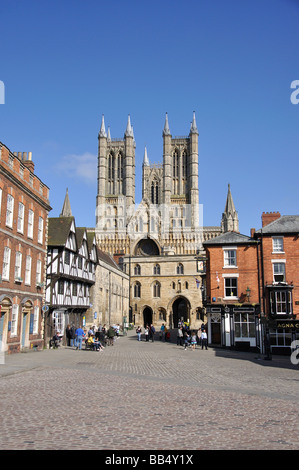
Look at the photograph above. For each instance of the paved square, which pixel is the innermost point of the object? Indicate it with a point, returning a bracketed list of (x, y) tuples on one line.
[(155, 396)]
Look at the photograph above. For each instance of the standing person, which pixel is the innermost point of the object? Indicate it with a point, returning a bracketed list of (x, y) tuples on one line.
[(152, 332), (162, 332), (179, 338), (73, 336), (110, 335), (138, 331), (146, 333), (79, 336), (193, 340), (204, 339), (199, 336), (68, 335)]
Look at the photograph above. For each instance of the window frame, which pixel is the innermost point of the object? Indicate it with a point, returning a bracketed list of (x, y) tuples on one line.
[(230, 287), (229, 260), (6, 263), (9, 210), (283, 274)]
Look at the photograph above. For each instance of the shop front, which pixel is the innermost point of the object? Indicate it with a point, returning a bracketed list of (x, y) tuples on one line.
[(234, 327)]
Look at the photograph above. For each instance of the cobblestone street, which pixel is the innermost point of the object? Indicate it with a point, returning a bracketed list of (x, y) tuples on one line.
[(156, 396)]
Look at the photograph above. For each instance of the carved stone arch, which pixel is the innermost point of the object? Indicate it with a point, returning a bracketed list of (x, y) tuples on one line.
[(147, 247)]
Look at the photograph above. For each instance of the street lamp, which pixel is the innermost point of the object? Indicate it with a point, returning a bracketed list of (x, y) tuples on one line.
[(248, 292)]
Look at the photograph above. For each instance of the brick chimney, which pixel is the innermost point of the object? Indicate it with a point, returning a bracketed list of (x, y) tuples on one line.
[(268, 217)]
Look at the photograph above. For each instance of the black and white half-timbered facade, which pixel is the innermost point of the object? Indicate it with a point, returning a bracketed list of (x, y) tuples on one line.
[(71, 265)]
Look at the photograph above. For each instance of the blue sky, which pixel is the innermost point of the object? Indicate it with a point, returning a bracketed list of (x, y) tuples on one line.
[(65, 63)]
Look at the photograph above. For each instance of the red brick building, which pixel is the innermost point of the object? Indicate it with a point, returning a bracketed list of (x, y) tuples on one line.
[(24, 207), (279, 278), (232, 293)]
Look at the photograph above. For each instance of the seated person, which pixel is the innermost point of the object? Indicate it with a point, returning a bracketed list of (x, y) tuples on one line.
[(96, 344), (55, 341)]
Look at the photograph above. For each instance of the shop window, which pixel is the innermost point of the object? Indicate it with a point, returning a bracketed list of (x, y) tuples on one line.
[(244, 325)]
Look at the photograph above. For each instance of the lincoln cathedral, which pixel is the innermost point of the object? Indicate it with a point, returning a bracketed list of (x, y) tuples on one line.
[(157, 243)]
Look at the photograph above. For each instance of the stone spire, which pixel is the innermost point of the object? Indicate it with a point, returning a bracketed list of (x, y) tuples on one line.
[(145, 158), (102, 132), (166, 130), (108, 135), (66, 208), (230, 220), (129, 130), (193, 129)]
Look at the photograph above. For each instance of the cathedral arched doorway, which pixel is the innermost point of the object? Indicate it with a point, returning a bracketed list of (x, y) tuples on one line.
[(147, 316), (180, 311)]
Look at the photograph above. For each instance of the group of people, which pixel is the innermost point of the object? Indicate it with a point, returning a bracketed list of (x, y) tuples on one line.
[(149, 333), (185, 337), (96, 338)]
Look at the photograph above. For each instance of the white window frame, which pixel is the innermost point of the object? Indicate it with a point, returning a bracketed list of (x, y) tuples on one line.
[(38, 271), (21, 212), (35, 320), (18, 265), (230, 257), (246, 325), (40, 230), (277, 245), (281, 263), (6, 263), (30, 223), (9, 210), (235, 276), (28, 270), (14, 320)]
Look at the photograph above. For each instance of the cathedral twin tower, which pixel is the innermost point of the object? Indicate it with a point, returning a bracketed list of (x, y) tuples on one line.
[(171, 188), (174, 184)]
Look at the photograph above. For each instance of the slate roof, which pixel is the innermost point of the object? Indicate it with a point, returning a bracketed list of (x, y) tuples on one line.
[(285, 224), (229, 238), (58, 230), (106, 258)]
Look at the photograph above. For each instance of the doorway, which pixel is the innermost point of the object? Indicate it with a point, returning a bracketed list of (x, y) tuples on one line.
[(180, 310), (147, 316)]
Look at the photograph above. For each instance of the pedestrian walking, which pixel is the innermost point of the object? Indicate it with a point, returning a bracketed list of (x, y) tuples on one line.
[(138, 331), (79, 337), (204, 339), (186, 339), (193, 340)]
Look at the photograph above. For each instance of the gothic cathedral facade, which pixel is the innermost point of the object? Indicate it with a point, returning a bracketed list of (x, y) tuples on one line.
[(158, 242)]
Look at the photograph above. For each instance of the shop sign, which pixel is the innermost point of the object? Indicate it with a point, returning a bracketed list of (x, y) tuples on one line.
[(293, 325)]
